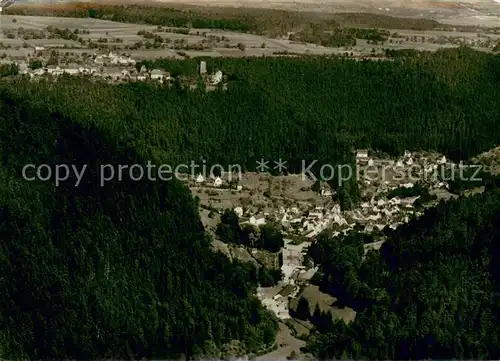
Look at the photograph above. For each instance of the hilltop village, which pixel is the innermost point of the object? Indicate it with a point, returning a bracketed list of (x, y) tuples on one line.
[(111, 67)]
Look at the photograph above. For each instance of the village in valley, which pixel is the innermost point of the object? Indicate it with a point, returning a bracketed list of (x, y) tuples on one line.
[(302, 208)]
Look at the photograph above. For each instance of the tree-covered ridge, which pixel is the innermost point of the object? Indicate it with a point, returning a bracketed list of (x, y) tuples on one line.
[(433, 292), (299, 109), (428, 101), (339, 36), (263, 21), (120, 271)]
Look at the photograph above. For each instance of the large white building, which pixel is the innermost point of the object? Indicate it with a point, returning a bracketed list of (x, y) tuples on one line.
[(217, 77), (257, 221)]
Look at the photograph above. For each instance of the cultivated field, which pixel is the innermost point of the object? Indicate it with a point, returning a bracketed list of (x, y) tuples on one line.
[(123, 37)]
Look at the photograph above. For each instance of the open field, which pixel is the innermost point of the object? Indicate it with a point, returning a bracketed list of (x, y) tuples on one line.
[(325, 302), (128, 34), (124, 38), (283, 191)]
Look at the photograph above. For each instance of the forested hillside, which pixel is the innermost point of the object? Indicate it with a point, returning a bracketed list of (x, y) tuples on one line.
[(121, 271), (433, 293), (320, 108), (126, 271), (299, 109)]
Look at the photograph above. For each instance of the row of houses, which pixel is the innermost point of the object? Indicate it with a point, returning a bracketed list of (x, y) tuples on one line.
[(294, 221), (113, 59), (214, 181), (102, 59), (112, 73), (362, 157), (112, 67)]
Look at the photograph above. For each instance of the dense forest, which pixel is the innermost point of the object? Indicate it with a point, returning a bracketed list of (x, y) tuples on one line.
[(299, 109), (320, 108), (119, 271), (125, 270), (337, 37), (431, 293)]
